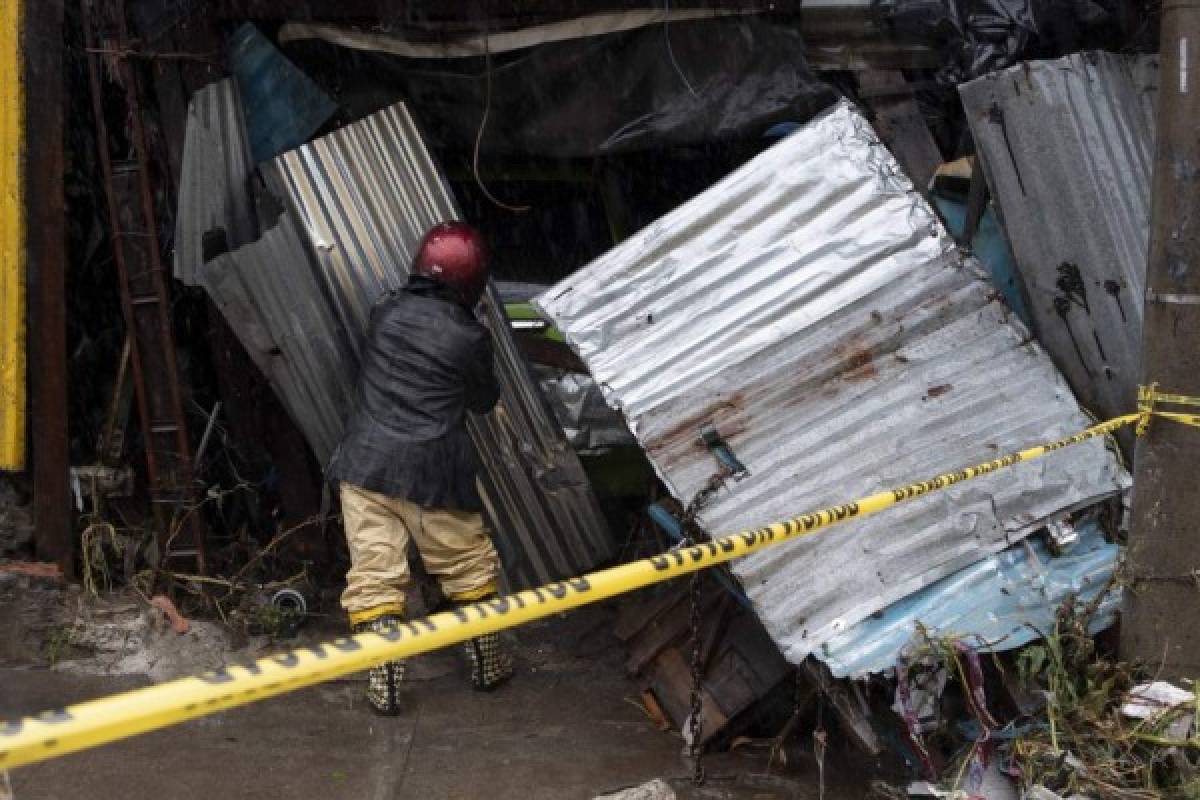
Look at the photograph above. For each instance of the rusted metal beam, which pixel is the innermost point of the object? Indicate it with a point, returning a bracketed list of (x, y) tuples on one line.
[(45, 251)]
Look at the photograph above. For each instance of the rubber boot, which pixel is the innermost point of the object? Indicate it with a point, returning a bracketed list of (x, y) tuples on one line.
[(491, 663), (383, 681)]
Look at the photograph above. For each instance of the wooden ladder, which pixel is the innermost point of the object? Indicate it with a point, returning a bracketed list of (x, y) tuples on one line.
[(144, 287)]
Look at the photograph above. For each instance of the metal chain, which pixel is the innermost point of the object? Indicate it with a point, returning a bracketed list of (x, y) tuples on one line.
[(693, 534), (695, 726)]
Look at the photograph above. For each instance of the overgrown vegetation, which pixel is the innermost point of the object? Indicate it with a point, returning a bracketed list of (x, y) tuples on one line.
[(1082, 743), (1075, 740)]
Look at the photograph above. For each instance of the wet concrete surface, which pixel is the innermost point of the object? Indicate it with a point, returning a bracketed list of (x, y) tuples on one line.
[(569, 726)]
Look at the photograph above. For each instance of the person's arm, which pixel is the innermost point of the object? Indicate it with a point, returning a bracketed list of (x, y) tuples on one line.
[(483, 390)]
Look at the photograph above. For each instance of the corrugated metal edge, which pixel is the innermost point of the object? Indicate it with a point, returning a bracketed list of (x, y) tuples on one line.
[(261, 289)]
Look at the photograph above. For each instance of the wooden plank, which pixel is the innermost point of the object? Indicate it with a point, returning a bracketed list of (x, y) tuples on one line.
[(658, 635), (667, 629), (977, 199), (732, 684), (900, 125), (671, 680), (854, 720), (715, 625), (643, 609), (45, 251)]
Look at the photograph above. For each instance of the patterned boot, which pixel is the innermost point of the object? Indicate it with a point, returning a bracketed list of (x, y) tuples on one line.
[(383, 682), (491, 663)]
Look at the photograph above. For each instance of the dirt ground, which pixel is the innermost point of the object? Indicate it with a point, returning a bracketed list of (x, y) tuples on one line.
[(568, 726)]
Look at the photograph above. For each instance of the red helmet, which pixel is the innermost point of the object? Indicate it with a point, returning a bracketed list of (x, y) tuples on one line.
[(454, 255)]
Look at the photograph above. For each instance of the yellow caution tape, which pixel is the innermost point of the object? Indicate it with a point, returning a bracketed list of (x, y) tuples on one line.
[(1148, 399), (55, 733)]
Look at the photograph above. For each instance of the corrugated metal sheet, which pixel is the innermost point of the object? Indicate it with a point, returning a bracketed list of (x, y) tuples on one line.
[(357, 204), (812, 308), (274, 301), (1067, 147), (999, 603), (214, 192)]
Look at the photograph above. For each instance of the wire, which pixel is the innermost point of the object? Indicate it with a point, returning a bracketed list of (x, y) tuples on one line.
[(487, 110), (670, 51)]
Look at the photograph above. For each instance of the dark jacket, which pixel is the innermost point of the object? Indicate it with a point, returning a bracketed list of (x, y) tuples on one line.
[(426, 362)]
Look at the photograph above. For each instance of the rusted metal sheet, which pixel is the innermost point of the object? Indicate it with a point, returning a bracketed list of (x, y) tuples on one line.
[(811, 308)]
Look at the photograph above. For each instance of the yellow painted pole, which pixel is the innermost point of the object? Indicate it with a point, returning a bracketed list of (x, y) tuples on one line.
[(12, 242)]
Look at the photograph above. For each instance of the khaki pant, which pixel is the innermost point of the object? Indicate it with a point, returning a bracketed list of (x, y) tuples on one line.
[(454, 547)]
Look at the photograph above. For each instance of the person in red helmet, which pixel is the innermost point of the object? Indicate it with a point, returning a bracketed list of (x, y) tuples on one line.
[(406, 466)]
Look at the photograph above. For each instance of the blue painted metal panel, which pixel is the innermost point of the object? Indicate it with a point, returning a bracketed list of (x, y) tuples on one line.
[(999, 603), (284, 107), (991, 248)]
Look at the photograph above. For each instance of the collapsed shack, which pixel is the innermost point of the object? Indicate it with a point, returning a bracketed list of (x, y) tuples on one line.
[(841, 336), (727, 253)]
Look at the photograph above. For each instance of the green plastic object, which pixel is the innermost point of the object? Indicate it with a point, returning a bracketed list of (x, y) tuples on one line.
[(524, 318)]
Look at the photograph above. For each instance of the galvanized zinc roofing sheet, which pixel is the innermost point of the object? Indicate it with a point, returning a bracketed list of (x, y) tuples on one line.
[(1067, 146), (812, 308), (214, 192), (273, 300)]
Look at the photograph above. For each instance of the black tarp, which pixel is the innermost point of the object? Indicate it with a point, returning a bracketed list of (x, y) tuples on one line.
[(690, 83), (980, 36)]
